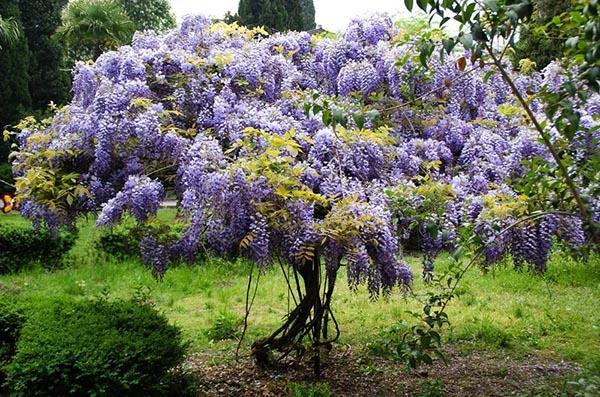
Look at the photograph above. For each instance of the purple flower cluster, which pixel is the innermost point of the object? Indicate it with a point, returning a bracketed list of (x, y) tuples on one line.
[(169, 112), (140, 195)]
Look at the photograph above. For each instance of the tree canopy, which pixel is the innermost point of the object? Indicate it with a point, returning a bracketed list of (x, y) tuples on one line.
[(50, 77), (14, 64), (95, 25), (541, 49), (308, 14), (149, 14), (276, 15)]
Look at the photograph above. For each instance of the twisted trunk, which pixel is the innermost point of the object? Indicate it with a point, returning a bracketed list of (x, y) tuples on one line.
[(309, 319)]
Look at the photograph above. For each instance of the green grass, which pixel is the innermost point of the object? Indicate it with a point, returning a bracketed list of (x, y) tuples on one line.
[(556, 314)]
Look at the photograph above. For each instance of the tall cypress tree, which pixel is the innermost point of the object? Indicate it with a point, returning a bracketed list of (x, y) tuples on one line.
[(308, 14), (294, 13), (50, 81), (15, 100), (275, 15)]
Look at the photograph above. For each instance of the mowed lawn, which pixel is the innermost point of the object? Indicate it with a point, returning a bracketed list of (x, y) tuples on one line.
[(555, 315)]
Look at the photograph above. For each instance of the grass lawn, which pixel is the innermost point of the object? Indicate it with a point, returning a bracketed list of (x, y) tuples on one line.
[(555, 315)]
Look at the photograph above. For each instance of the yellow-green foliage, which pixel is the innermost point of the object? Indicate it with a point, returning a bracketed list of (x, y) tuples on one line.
[(48, 179)]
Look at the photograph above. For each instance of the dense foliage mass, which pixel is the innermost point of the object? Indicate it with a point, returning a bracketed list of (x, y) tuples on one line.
[(96, 348), (226, 119), (308, 14), (11, 322), (542, 49), (49, 76), (150, 14), (14, 63), (274, 15), (21, 246)]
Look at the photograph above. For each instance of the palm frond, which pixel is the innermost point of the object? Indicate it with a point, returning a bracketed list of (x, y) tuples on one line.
[(9, 31), (95, 24)]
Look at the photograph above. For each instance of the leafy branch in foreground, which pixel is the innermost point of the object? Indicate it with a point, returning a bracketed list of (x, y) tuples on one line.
[(422, 341), (487, 31)]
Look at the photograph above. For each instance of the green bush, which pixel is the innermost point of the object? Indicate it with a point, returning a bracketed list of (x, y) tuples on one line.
[(11, 322), (121, 241), (22, 245), (226, 326), (97, 348)]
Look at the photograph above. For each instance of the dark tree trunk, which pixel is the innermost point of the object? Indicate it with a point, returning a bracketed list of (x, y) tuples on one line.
[(309, 319)]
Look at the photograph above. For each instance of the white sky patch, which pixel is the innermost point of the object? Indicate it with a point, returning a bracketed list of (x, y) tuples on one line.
[(332, 15)]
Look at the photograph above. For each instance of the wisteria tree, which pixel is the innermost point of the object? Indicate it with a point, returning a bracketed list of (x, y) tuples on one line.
[(304, 153)]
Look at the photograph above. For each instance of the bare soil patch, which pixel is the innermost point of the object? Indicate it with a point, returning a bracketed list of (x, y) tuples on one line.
[(350, 374)]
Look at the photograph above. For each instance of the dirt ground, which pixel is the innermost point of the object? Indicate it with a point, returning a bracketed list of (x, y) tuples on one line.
[(350, 374)]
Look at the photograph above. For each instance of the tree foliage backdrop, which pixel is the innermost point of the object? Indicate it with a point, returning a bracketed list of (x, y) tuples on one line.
[(49, 76), (14, 64), (150, 14), (539, 48), (276, 15)]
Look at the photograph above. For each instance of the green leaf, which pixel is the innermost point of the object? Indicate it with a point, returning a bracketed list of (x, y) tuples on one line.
[(373, 115), (469, 12), (467, 40), (491, 4), (487, 75), (326, 117), (448, 45), (307, 107), (477, 33), (572, 42), (359, 119), (408, 4)]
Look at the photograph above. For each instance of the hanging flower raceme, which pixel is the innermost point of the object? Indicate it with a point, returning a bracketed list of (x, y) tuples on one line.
[(261, 139)]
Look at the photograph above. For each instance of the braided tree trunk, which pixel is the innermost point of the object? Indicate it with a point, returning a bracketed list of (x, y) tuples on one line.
[(309, 319)]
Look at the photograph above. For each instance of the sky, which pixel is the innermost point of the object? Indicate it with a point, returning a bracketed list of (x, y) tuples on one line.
[(332, 15)]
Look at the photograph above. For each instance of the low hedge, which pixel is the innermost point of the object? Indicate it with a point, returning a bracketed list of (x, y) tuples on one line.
[(97, 348), (22, 245), (12, 319), (123, 240)]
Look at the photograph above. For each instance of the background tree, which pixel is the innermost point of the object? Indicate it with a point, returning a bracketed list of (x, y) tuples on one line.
[(50, 78), (150, 14), (14, 64), (95, 25), (276, 15), (15, 100), (542, 49), (308, 14)]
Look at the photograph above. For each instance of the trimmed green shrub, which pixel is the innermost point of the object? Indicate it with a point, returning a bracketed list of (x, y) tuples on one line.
[(121, 241), (21, 246), (11, 322), (97, 348)]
